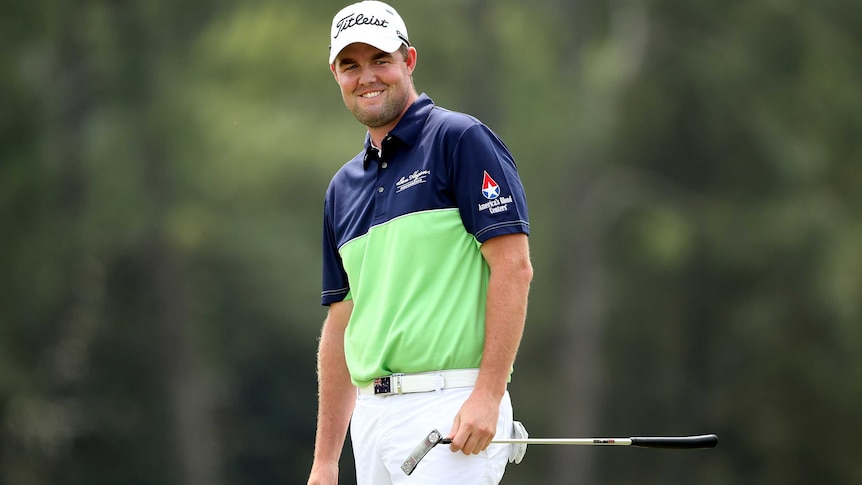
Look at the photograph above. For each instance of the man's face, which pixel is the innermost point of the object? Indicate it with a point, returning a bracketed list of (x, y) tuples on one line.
[(375, 85)]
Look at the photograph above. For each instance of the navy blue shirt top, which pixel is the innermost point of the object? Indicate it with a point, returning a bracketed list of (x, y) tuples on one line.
[(434, 159)]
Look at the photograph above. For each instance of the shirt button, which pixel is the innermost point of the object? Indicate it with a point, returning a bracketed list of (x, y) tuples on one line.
[(380, 189), (384, 165)]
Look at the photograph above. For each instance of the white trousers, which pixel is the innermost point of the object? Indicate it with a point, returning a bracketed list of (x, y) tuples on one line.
[(384, 430)]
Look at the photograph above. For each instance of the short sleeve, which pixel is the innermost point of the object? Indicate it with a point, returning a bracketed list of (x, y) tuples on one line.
[(488, 189), (335, 284)]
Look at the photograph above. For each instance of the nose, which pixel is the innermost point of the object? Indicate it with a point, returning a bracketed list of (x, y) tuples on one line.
[(367, 75)]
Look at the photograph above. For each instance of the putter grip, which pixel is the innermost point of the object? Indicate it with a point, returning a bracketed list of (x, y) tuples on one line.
[(678, 443)]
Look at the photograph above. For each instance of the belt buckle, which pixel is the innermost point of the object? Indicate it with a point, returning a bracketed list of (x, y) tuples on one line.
[(388, 385)]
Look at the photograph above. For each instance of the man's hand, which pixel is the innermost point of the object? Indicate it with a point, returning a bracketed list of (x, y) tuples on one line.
[(475, 424)]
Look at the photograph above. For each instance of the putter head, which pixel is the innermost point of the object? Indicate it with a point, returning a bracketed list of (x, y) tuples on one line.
[(420, 451)]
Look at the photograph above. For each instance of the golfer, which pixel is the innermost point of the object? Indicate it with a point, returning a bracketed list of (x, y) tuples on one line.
[(426, 272)]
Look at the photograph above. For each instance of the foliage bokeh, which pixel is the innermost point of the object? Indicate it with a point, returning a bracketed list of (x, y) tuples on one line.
[(693, 175)]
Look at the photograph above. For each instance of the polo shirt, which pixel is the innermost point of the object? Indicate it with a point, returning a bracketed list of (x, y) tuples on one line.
[(402, 233)]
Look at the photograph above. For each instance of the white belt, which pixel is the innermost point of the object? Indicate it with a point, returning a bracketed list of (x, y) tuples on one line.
[(423, 382)]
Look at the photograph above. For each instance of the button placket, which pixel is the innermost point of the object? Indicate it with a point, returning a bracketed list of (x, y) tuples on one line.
[(382, 182)]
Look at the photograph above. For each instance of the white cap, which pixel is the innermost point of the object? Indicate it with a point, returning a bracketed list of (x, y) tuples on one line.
[(370, 22)]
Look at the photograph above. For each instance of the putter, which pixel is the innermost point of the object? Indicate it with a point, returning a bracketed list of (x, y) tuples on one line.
[(521, 440)]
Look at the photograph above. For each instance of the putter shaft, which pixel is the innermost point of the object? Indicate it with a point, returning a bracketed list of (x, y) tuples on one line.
[(667, 442)]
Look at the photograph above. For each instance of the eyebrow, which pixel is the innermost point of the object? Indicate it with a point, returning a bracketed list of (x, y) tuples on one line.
[(379, 55)]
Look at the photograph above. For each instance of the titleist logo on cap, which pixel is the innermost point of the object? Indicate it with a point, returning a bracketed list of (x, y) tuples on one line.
[(353, 20)]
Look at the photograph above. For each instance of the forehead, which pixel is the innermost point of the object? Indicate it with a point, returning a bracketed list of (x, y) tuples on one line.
[(359, 51)]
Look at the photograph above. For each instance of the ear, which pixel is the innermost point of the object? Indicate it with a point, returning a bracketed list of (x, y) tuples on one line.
[(332, 68), (412, 56)]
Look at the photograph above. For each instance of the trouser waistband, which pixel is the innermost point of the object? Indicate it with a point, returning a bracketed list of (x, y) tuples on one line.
[(422, 382)]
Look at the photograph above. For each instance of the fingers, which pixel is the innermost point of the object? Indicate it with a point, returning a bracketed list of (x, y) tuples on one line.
[(473, 444), (470, 439), (475, 424)]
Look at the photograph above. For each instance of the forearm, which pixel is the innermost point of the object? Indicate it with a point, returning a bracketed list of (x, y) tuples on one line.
[(336, 393), (508, 259), (505, 315)]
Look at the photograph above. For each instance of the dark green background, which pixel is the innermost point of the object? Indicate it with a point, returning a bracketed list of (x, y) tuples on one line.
[(693, 170)]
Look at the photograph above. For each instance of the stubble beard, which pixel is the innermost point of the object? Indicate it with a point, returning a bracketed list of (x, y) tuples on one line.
[(392, 107)]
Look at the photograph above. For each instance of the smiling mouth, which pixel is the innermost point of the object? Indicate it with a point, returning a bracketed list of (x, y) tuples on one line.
[(372, 94)]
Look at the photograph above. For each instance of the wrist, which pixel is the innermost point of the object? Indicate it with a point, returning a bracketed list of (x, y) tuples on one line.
[(493, 388), (324, 462), (327, 470)]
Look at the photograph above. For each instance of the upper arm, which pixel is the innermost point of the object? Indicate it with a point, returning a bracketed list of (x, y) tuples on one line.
[(334, 280), (339, 315), (487, 187), (509, 253)]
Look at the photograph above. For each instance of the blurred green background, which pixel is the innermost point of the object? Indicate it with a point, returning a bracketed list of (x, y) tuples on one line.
[(693, 170)]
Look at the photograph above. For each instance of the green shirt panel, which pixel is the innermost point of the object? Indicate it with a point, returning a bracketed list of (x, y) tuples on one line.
[(418, 285)]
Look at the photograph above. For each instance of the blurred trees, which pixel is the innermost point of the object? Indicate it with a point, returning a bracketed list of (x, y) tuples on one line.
[(693, 173)]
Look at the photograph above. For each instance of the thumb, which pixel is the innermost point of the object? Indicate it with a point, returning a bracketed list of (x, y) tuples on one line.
[(456, 424)]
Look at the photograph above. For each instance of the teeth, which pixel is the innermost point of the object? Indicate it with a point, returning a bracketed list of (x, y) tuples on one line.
[(372, 94)]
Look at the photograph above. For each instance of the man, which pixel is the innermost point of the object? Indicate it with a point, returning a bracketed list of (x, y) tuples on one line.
[(426, 272)]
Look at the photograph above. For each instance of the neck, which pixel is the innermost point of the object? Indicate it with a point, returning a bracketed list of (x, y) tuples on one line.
[(379, 133)]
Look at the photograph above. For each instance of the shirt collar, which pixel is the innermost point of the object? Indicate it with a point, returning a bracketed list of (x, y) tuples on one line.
[(407, 130)]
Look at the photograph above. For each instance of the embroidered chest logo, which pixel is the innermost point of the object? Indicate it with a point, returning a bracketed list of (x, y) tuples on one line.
[(412, 180), (491, 191)]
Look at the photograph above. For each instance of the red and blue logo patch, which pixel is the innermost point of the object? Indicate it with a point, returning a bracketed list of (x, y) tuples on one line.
[(490, 189)]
